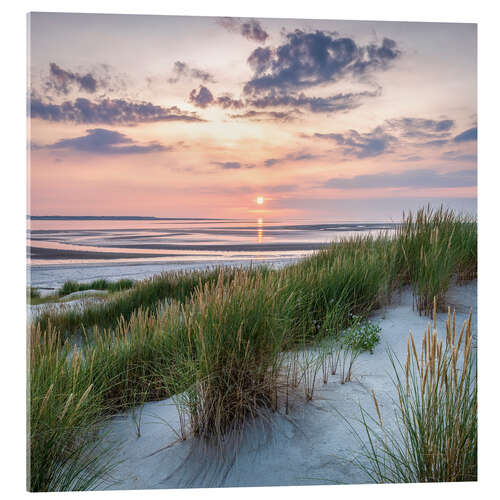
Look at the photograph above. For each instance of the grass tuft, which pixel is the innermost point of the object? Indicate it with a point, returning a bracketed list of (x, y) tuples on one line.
[(436, 437)]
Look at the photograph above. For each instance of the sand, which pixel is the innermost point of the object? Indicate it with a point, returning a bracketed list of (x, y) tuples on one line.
[(311, 445), (47, 278)]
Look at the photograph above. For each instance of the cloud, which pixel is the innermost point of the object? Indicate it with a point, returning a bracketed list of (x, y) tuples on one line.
[(422, 178), (62, 81), (291, 157), (101, 77), (227, 101), (458, 156), (260, 59), (411, 158), (436, 143), (311, 59), (397, 131), (421, 128), (365, 145), (183, 70), (202, 97), (106, 142), (336, 103), (232, 165), (467, 135), (107, 111), (257, 116), (251, 29)]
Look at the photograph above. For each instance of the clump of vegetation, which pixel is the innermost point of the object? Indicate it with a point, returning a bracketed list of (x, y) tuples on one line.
[(65, 405), (32, 293), (430, 247), (147, 294), (235, 339), (101, 284), (362, 335), (436, 437)]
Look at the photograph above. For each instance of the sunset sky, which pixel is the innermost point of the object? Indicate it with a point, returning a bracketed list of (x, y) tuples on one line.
[(198, 117)]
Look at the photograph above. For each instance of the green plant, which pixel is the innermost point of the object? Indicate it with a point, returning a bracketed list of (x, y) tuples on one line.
[(236, 335), (436, 436), (32, 293), (361, 335), (429, 247)]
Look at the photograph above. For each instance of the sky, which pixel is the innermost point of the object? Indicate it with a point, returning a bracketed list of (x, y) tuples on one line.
[(199, 116)]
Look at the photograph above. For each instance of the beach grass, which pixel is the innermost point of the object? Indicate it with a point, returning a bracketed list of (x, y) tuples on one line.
[(436, 436), (100, 284), (431, 247), (217, 338)]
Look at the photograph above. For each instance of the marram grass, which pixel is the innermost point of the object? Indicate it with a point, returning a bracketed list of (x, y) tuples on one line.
[(436, 435)]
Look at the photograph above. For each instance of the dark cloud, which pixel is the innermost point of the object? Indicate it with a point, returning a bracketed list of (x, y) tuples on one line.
[(231, 165), (250, 29), (202, 97), (311, 59), (227, 101), (106, 142), (421, 128), (62, 81), (183, 70), (253, 31), (467, 135), (292, 157), (260, 59), (279, 116), (336, 103), (424, 178), (385, 137), (107, 111), (365, 145)]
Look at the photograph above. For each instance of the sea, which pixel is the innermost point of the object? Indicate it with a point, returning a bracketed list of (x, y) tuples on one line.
[(87, 248)]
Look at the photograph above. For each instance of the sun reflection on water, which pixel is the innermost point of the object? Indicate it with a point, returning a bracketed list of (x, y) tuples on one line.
[(260, 232)]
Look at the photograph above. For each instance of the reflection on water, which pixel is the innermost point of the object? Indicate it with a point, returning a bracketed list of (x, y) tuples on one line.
[(260, 231)]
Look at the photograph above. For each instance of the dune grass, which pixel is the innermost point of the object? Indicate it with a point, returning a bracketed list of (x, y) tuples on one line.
[(431, 247), (215, 338), (100, 284), (65, 406), (145, 294), (436, 436), (32, 293)]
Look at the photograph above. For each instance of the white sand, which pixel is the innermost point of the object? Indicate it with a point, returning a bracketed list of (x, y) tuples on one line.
[(312, 445)]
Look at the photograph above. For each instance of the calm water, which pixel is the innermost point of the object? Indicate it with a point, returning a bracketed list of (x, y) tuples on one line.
[(85, 249), (84, 241)]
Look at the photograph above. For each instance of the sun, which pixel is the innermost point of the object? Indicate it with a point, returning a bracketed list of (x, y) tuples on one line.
[(260, 200)]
